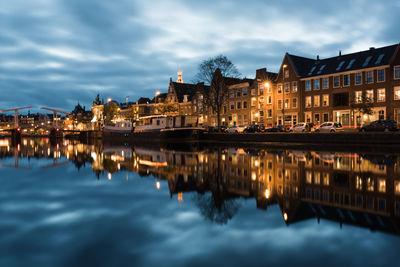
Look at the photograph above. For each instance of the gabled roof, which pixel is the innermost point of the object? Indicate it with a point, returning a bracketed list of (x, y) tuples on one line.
[(182, 89), (160, 98), (374, 57)]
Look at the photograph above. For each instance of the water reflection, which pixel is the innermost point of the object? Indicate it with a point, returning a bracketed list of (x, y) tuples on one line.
[(348, 188)]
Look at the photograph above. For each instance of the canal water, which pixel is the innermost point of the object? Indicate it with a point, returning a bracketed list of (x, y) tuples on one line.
[(74, 204)]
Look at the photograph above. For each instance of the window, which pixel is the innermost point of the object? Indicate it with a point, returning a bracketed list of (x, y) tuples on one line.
[(232, 106), (244, 104), (358, 97), (269, 88), (382, 185), (369, 78), (261, 112), (325, 83), (316, 118), (369, 95), (224, 109), (378, 61), (397, 93), (316, 84), (321, 69), (279, 88), (325, 100), (244, 91), (308, 85), (287, 87), (326, 117), (358, 78), (260, 91), (381, 115), (287, 105), (317, 101), (350, 64), (286, 73), (294, 102), (381, 95), (336, 81), (308, 101), (269, 113), (381, 75), (253, 101), (279, 103), (232, 94), (238, 92), (396, 72), (367, 60), (339, 66), (346, 80), (269, 100), (294, 87)]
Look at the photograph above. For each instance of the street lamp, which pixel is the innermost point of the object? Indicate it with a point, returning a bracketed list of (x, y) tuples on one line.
[(283, 94)]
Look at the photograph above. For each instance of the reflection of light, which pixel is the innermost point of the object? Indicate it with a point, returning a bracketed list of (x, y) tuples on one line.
[(285, 216), (158, 185), (109, 175), (180, 196), (4, 143), (267, 193), (151, 163), (253, 176), (119, 166), (256, 163), (223, 157)]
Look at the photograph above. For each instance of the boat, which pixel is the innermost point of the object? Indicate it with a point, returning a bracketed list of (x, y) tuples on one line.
[(122, 127), (167, 127)]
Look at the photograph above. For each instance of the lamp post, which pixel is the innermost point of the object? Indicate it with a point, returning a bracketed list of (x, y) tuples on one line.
[(283, 94)]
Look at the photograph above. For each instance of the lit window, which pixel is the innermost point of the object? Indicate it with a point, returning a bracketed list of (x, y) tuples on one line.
[(325, 100), (308, 85), (397, 93), (358, 97), (346, 80), (325, 83), (369, 95), (381, 75), (382, 185), (397, 187), (317, 177), (370, 184), (269, 100), (325, 178), (308, 177), (358, 78), (316, 84), (381, 95), (359, 183), (287, 105), (369, 76), (308, 102), (316, 101), (336, 81)]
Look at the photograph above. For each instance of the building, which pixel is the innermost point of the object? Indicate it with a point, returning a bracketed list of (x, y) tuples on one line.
[(335, 89)]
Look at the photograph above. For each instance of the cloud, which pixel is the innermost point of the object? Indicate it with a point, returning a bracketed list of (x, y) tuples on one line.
[(123, 47)]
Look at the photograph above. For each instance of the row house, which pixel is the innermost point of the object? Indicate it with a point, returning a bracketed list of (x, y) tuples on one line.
[(335, 89)]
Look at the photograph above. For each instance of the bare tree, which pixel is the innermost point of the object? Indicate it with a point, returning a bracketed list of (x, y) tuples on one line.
[(207, 68)]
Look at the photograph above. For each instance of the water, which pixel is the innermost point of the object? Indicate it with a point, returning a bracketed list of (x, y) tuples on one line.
[(71, 204)]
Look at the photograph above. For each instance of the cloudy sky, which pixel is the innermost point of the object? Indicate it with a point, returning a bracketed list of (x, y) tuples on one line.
[(57, 52)]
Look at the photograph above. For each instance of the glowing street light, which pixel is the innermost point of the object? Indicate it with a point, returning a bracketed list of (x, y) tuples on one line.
[(157, 93), (109, 100)]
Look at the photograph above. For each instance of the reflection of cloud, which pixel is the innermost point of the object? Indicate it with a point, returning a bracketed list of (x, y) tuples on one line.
[(135, 46)]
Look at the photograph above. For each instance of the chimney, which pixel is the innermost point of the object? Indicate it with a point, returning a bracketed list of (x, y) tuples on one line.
[(317, 57), (340, 53)]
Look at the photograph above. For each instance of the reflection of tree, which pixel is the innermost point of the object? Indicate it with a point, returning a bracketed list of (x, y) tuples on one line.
[(217, 207)]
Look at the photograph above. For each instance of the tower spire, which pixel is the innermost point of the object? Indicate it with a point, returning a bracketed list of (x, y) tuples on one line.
[(179, 75)]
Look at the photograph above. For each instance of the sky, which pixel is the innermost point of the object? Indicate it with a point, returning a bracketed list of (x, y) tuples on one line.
[(56, 53)]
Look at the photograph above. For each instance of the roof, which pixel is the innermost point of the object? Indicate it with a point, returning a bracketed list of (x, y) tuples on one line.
[(182, 89), (374, 57), (159, 98), (143, 100), (232, 81)]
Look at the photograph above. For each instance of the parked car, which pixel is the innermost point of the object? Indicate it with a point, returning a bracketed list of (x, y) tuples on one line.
[(255, 128), (302, 127), (329, 127), (277, 128), (235, 129), (380, 126)]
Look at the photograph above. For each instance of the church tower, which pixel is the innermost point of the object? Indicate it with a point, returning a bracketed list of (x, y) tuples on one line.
[(179, 76)]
